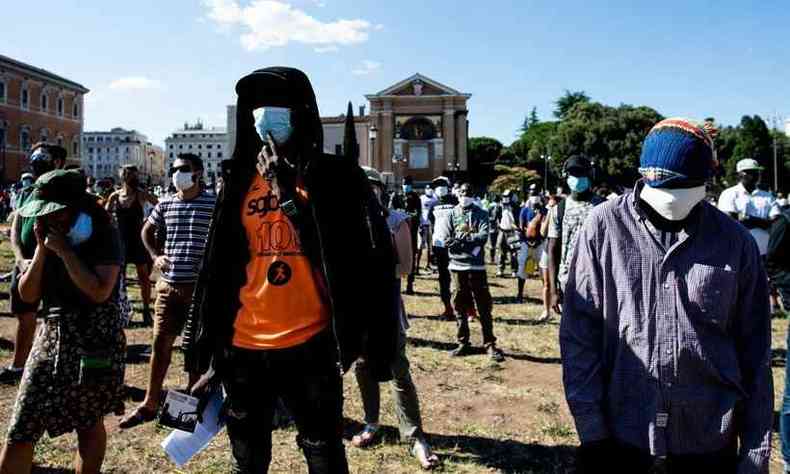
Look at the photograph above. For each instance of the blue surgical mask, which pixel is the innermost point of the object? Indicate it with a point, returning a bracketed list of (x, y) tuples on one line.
[(578, 184), (81, 230), (407, 188), (274, 120)]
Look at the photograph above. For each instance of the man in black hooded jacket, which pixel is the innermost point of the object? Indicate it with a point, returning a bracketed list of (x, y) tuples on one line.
[(282, 306)]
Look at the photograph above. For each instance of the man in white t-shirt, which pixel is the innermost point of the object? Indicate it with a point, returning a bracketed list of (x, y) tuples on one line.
[(427, 201), (750, 205)]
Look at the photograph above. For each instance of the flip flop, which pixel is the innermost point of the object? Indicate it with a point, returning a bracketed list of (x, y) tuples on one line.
[(427, 458), (366, 437), (139, 416)]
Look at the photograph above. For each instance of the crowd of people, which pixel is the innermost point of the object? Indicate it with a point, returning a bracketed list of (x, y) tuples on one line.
[(665, 299)]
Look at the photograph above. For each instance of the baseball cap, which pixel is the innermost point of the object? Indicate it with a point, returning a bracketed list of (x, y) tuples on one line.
[(748, 165), (577, 164)]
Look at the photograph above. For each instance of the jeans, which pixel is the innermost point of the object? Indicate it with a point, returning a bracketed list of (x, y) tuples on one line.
[(505, 252), (473, 286), (610, 456), (442, 264), (307, 379), (407, 404)]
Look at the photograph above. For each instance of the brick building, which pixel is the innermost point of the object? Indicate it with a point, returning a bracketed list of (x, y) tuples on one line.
[(36, 105)]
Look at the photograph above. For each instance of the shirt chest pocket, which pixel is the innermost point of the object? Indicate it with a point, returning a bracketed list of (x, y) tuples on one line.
[(710, 295)]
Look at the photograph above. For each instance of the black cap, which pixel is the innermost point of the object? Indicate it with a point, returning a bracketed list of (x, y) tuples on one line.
[(578, 164)]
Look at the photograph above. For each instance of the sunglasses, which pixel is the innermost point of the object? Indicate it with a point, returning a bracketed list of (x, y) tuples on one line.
[(183, 168)]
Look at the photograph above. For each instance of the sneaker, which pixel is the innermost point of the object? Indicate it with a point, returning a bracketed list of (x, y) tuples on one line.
[(461, 350), (495, 354), (10, 376), (514, 275), (500, 274), (544, 316)]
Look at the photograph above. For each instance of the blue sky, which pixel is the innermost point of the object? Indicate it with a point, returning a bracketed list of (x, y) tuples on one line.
[(153, 64)]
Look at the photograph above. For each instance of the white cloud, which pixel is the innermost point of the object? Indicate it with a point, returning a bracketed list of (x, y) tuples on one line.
[(135, 83), (327, 49), (268, 24), (367, 68)]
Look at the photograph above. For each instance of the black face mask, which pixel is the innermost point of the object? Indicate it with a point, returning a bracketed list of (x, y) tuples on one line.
[(41, 166)]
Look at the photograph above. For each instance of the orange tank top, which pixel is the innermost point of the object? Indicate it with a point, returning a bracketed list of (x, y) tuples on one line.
[(284, 302)]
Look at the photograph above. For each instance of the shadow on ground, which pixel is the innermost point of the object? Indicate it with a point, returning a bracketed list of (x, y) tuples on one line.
[(778, 357), (505, 455)]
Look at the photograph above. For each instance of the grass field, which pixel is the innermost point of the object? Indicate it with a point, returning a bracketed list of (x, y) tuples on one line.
[(481, 417)]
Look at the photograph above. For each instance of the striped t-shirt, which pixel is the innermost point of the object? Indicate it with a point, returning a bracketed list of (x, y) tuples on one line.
[(184, 225)]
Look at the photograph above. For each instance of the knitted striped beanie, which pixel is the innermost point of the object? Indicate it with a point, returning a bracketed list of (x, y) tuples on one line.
[(677, 153)]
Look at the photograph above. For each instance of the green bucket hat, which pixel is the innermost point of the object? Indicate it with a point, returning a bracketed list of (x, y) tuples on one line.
[(54, 191)]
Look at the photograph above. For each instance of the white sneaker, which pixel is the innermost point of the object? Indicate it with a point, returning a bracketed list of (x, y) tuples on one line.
[(544, 316)]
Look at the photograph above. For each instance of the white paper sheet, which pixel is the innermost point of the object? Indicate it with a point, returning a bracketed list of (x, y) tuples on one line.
[(182, 446)]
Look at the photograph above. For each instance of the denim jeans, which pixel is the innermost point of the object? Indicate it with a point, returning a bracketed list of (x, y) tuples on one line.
[(407, 404), (307, 379)]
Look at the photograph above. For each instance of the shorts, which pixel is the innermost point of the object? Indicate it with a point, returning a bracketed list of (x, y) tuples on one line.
[(171, 308), (527, 253), (17, 305), (544, 259)]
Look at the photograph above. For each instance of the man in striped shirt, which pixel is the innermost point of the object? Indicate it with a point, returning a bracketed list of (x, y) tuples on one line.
[(183, 220)]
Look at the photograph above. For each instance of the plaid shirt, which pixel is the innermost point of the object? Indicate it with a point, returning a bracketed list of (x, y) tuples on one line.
[(669, 350)]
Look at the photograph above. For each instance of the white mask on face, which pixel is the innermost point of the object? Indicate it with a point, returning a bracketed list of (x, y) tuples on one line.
[(672, 204), (467, 201), (441, 191), (183, 180)]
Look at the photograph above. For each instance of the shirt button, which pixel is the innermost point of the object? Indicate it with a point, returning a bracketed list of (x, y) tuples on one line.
[(669, 351), (666, 286)]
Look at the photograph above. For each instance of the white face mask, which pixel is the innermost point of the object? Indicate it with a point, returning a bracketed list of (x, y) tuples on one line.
[(672, 204), (183, 180), (441, 191), (467, 201), (429, 192)]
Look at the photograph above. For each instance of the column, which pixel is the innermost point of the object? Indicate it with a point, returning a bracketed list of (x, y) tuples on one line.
[(449, 138), (461, 131)]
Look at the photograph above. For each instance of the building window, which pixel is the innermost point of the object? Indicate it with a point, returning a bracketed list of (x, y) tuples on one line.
[(2, 91), (171, 154), (24, 140), (2, 138), (90, 149), (75, 111), (209, 154), (25, 98), (219, 154), (180, 147), (171, 146), (60, 141), (200, 147), (60, 106), (209, 146), (75, 148), (44, 102), (190, 146), (338, 150)]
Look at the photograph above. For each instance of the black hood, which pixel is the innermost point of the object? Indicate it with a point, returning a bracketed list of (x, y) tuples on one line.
[(277, 87)]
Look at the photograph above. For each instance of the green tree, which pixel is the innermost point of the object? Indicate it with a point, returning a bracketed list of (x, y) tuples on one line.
[(483, 154), (533, 117), (350, 145), (611, 137), (524, 126), (566, 103), (513, 177)]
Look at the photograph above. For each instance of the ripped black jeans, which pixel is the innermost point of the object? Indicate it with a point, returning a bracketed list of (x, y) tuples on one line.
[(307, 379)]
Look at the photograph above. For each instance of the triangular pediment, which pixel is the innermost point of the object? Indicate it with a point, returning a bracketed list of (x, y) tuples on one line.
[(419, 85)]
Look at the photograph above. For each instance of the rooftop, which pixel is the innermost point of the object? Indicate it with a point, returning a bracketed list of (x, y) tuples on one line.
[(43, 73)]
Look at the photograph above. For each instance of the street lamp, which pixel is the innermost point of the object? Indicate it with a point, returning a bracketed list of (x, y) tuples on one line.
[(374, 132), (546, 159)]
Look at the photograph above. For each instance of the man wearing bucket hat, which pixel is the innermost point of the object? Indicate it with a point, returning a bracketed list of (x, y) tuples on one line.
[(755, 208), (665, 334), (74, 376), (43, 158)]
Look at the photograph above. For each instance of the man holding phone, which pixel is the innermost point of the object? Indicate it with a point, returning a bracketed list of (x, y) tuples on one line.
[(282, 305), (184, 222)]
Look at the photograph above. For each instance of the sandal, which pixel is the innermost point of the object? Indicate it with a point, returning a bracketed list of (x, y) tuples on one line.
[(139, 416), (427, 459), (366, 437)]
